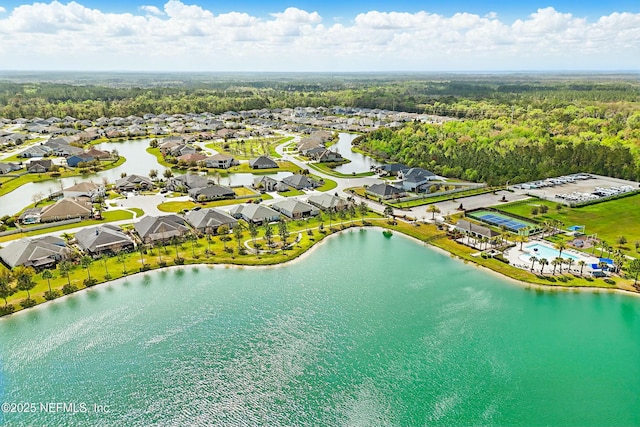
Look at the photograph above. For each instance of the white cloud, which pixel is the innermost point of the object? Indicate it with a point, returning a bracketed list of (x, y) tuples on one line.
[(152, 10), (190, 37), (2, 9)]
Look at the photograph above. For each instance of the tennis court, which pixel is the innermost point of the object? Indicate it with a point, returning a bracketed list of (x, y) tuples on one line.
[(498, 219)]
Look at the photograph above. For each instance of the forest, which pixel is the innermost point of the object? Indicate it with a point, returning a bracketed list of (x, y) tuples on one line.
[(511, 127)]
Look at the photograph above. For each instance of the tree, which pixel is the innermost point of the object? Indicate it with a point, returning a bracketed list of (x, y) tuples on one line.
[(283, 231), (560, 246), (342, 214), (331, 212), (141, 249), (433, 209), (533, 262), (534, 211), (121, 257), (557, 261), (634, 268), (48, 275), (388, 211), (569, 262), (543, 262), (86, 262), (223, 230), (174, 242), (268, 234), (65, 268), (37, 197), (6, 290), (363, 208), (24, 279), (352, 211), (153, 174), (543, 209), (253, 232), (237, 232), (192, 236), (104, 259), (582, 264), (621, 240), (167, 173)]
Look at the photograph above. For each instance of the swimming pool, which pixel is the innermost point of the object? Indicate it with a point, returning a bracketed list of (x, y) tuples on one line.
[(543, 251)]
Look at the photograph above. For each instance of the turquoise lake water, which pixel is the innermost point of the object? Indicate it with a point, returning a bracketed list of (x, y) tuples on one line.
[(362, 331)]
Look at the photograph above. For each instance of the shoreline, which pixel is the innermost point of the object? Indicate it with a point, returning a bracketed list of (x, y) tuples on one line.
[(519, 283)]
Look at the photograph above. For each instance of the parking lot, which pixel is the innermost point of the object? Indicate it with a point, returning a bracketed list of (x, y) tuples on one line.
[(579, 190)]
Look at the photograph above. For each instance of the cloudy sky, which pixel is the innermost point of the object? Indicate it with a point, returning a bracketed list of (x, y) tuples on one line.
[(303, 35)]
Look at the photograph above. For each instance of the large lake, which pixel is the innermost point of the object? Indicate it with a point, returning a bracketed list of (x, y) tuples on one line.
[(361, 331)]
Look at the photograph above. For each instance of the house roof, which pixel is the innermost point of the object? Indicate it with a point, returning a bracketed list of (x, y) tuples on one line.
[(298, 181), (66, 207), (293, 205), (254, 212), (209, 218), (220, 157), (393, 167), (164, 226), (192, 157), (33, 251), (83, 187), (416, 174), (212, 191), (133, 180), (326, 201), (384, 189), (466, 226), (93, 239), (191, 180), (263, 161)]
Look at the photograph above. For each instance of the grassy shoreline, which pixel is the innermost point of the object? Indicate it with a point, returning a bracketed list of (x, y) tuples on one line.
[(111, 268)]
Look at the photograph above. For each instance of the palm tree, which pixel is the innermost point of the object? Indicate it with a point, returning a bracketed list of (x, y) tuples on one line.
[(24, 279), (167, 173), (153, 174), (388, 211), (331, 211), (65, 268), (603, 246), (433, 209), (122, 259), (352, 212), (560, 246), (557, 261), (237, 232), (223, 230), (533, 262), (582, 264), (141, 248), (253, 232), (104, 259), (174, 242), (268, 234), (86, 262), (6, 290), (634, 267), (47, 274), (543, 262), (283, 231), (363, 208), (191, 236), (342, 214), (569, 262)]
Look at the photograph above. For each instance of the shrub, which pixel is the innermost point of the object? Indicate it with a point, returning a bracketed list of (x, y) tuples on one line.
[(179, 261), (51, 295), (89, 282), (610, 281), (145, 267), (27, 302), (162, 264), (68, 289), (8, 309)]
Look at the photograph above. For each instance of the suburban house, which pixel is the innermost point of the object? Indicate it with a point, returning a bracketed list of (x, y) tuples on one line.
[(219, 161), (39, 166), (325, 201), (258, 214), (211, 192), (475, 230), (208, 220), (6, 168), (184, 183), (66, 208), (192, 157), (103, 239), (262, 162), (98, 154), (36, 151), (391, 169), (134, 182), (73, 161), (300, 182), (39, 253), (295, 209), (266, 183), (385, 191), (415, 178), (90, 190), (160, 228), (328, 156)]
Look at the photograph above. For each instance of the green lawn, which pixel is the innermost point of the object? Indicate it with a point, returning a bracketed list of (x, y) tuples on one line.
[(272, 148), (291, 193), (329, 184), (178, 206), (245, 149), (610, 219), (244, 191), (321, 167)]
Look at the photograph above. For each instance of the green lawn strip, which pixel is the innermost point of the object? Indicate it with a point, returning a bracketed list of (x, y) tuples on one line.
[(178, 206), (156, 152), (139, 212), (328, 183), (428, 198), (9, 186), (610, 219), (291, 193), (321, 167)]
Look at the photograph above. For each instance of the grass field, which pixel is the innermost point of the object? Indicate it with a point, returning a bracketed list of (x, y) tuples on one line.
[(610, 219), (245, 149), (291, 193)]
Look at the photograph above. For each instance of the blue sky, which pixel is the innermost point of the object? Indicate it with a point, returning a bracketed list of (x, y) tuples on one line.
[(242, 35)]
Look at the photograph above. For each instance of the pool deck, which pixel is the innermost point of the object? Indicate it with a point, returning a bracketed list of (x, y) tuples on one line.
[(513, 255)]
